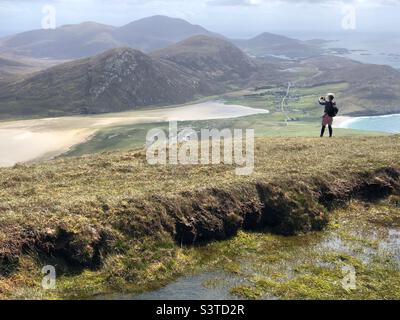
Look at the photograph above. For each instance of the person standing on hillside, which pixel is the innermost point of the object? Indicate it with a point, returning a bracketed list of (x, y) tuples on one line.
[(329, 113)]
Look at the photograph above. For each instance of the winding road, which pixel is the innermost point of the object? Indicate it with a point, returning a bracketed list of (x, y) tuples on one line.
[(284, 102)]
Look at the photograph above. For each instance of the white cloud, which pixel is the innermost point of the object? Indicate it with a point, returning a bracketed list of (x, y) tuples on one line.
[(314, 2)]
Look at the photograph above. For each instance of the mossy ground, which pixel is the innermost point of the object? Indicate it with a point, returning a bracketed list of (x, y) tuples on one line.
[(272, 267), (109, 199), (363, 236)]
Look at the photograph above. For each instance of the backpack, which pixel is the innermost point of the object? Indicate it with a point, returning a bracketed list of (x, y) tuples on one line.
[(333, 110)]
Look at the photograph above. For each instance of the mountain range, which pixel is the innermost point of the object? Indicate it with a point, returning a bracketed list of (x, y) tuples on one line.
[(124, 78), (147, 35), (178, 62), (90, 38)]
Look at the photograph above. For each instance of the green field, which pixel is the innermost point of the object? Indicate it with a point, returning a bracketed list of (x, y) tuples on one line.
[(134, 136)]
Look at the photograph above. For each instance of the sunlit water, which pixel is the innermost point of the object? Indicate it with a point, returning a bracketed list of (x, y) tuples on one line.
[(216, 285), (375, 48), (388, 124), (203, 286)]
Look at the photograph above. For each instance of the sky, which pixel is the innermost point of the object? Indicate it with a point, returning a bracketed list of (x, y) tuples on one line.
[(233, 18)]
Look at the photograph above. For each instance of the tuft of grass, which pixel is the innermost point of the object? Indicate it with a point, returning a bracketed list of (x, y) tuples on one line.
[(312, 264)]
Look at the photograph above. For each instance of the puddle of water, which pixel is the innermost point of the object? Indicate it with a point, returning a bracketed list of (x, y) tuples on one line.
[(203, 286), (217, 285), (391, 245), (371, 245)]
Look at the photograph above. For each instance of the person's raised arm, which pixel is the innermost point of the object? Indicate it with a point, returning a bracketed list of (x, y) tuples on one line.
[(322, 101)]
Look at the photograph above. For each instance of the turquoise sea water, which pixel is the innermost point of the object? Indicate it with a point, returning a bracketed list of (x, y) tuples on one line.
[(389, 123)]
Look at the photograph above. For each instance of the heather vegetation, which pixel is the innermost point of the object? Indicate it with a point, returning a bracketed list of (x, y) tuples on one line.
[(110, 222)]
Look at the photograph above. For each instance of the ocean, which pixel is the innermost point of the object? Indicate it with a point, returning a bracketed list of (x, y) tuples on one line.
[(376, 48), (388, 123)]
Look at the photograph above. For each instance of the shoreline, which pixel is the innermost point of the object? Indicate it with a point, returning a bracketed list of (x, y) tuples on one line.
[(342, 122), (28, 141), (345, 122)]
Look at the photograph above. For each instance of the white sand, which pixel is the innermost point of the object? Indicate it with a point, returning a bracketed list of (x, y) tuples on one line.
[(43, 139), (19, 145), (342, 122)]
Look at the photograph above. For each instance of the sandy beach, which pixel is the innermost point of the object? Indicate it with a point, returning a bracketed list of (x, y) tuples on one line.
[(386, 123), (43, 139), (342, 121)]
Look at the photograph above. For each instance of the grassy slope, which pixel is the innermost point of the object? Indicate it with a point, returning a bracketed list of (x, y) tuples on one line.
[(301, 106), (106, 210), (133, 136)]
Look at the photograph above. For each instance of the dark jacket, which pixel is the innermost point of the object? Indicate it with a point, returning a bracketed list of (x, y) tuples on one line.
[(328, 107)]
